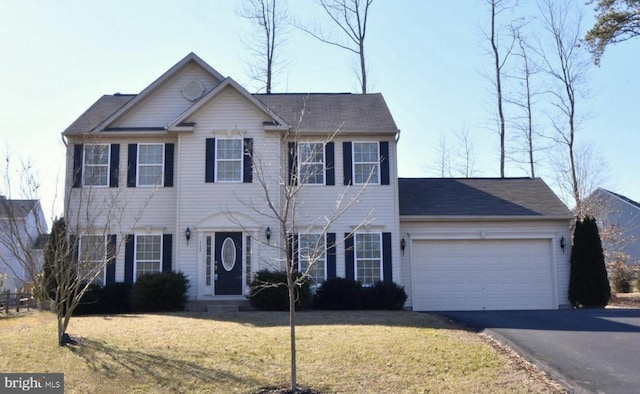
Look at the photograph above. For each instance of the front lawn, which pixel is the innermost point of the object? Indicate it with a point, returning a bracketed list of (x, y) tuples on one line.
[(346, 352)]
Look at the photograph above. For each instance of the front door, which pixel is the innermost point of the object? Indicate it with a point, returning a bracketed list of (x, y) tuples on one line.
[(228, 263)]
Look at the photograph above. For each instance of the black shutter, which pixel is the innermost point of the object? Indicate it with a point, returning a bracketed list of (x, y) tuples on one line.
[(210, 160), (349, 256), (168, 164), (292, 165), (331, 255), (115, 165), (132, 165), (347, 160), (129, 250), (111, 258), (167, 247), (387, 266), (330, 169), (247, 175), (384, 162), (78, 150)]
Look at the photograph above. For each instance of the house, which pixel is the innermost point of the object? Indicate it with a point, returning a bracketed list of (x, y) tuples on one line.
[(190, 160), (618, 219), (23, 229)]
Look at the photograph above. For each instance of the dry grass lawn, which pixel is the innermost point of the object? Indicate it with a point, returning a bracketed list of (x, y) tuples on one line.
[(338, 352)]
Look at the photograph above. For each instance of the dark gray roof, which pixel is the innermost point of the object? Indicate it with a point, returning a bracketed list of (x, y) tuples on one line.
[(623, 198), (98, 112), (16, 208), (479, 197), (330, 111), (322, 111)]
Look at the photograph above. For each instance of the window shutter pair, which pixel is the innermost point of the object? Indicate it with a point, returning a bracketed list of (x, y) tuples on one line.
[(329, 154), (132, 164), (78, 161), (210, 160), (129, 255), (350, 257), (347, 157)]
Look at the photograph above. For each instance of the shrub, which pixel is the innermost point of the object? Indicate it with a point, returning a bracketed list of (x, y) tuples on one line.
[(268, 291), (160, 292), (621, 277), (88, 304), (116, 298), (384, 295), (339, 294)]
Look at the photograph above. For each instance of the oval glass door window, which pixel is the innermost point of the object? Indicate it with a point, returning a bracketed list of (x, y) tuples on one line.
[(228, 254)]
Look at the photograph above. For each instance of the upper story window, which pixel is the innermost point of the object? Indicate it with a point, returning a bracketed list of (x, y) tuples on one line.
[(96, 165), (311, 163), (150, 164), (229, 157), (368, 258), (312, 256), (366, 163), (148, 254)]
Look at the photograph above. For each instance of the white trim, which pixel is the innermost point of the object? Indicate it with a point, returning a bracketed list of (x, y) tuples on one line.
[(324, 163), (135, 252), (355, 256), (162, 164), (216, 160), (84, 165), (371, 181)]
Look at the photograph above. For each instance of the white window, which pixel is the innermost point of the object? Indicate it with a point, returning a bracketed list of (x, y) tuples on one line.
[(311, 163), (148, 254), (229, 160), (312, 256), (150, 164), (92, 258), (368, 258), (366, 163), (96, 165)]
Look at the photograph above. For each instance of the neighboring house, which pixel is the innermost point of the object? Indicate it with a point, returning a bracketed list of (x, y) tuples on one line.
[(191, 150), (618, 219), (22, 231)]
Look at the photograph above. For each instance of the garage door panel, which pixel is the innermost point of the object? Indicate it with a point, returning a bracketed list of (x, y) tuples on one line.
[(482, 274)]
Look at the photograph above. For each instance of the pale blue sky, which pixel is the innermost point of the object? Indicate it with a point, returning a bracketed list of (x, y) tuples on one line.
[(426, 58)]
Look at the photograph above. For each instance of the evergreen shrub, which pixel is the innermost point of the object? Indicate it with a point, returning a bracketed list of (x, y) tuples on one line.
[(268, 291), (160, 292)]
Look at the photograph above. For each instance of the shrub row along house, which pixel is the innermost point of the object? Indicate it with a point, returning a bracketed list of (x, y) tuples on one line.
[(186, 175)]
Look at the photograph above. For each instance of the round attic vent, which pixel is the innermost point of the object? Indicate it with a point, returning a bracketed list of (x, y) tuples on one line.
[(192, 90)]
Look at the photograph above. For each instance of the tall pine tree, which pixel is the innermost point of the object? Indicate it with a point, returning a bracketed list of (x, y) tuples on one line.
[(589, 285)]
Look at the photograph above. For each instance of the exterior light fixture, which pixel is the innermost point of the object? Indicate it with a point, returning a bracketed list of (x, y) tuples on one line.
[(268, 234), (403, 244), (562, 243), (187, 234)]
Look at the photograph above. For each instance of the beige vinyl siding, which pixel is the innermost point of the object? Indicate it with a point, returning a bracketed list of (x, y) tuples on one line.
[(167, 103)]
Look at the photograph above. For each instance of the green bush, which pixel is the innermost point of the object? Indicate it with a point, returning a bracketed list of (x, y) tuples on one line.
[(384, 295), (339, 294), (160, 292), (115, 298), (268, 291), (89, 303)]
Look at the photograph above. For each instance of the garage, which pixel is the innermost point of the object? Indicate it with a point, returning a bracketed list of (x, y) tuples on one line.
[(482, 274)]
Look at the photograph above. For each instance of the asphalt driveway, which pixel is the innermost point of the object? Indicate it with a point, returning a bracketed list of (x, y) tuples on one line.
[(589, 351)]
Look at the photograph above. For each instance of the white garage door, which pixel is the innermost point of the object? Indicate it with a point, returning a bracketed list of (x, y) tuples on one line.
[(484, 274)]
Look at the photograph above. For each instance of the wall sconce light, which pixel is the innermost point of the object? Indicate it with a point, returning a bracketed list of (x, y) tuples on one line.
[(562, 243), (187, 234), (268, 234), (403, 244)]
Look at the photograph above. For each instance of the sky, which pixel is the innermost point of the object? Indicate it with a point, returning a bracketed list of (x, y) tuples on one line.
[(427, 58)]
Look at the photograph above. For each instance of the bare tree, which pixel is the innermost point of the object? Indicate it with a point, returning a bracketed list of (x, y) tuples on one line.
[(523, 97), (351, 17), (269, 20), (499, 60), (281, 202), (459, 161), (566, 66)]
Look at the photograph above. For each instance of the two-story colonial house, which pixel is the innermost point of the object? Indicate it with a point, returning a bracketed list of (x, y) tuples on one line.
[(190, 175)]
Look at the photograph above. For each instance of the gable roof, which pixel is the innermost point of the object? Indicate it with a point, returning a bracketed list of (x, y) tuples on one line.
[(322, 111), (332, 111), (479, 197), (617, 196), (16, 208)]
